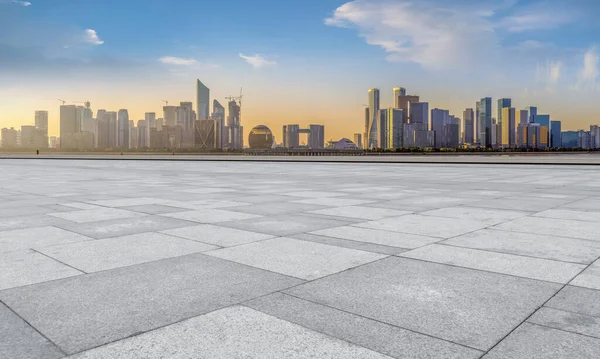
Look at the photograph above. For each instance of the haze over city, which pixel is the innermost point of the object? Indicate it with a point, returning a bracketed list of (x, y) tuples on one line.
[(298, 63)]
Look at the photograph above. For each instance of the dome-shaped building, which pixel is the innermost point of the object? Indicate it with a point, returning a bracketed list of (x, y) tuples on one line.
[(260, 137)]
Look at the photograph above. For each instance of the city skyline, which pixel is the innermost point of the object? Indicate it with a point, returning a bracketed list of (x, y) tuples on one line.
[(534, 54)]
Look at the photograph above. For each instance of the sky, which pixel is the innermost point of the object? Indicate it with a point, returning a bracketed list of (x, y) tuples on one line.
[(299, 61)]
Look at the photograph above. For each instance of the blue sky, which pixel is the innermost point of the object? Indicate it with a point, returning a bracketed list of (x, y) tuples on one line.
[(300, 61)]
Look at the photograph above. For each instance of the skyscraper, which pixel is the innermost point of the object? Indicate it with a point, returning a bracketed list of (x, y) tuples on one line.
[(150, 118), (69, 123), (485, 122), (41, 124), (234, 126), (404, 102), (373, 118), (521, 117), (202, 101), (382, 128), (123, 120), (358, 140), (502, 103), (170, 115), (184, 116), (469, 125), (219, 116), (532, 113), (365, 136), (439, 120), (316, 137), (508, 127), (555, 134), (395, 123), (398, 91)]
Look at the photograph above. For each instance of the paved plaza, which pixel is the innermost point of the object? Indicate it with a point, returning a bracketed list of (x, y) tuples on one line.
[(170, 259)]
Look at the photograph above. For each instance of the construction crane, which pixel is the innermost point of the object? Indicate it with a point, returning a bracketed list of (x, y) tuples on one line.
[(63, 101), (166, 102), (86, 103)]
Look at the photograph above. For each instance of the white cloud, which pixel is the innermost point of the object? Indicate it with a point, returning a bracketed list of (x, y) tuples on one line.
[(589, 72), (257, 61), (171, 60), (92, 37), (444, 34), (22, 3), (548, 74)]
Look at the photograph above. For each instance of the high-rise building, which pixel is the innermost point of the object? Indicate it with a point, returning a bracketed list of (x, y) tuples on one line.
[(69, 123), (9, 138), (439, 120), (502, 103), (41, 124), (291, 136), (532, 110), (219, 116), (382, 129), (170, 115), (202, 101), (555, 134), (358, 140), (595, 136), (404, 102), (236, 140), (521, 117), (484, 122), (159, 124), (469, 125), (398, 91), (123, 123), (316, 137), (206, 134), (508, 127), (366, 133), (373, 118), (419, 121), (395, 128), (150, 118), (544, 122), (143, 134), (133, 135), (184, 116)]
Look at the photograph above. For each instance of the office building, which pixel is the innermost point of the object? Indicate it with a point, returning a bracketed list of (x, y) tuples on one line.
[(522, 136), (219, 116), (170, 115), (9, 138), (202, 101), (404, 102), (395, 128), (484, 122), (374, 104), (366, 133), (521, 117), (382, 128), (398, 91), (316, 136), (69, 123), (358, 140), (502, 104), (533, 111), (469, 126), (185, 116), (206, 134), (508, 127), (544, 122), (150, 118), (555, 134), (143, 134), (595, 136), (236, 140), (439, 120), (123, 132), (570, 139)]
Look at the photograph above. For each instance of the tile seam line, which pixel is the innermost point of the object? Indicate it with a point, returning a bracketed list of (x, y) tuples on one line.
[(563, 330), (82, 272), (372, 319), (34, 328), (536, 310), (420, 163), (570, 311)]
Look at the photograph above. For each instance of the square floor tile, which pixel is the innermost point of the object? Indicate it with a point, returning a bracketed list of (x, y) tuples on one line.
[(365, 213), (220, 236), (568, 321), (123, 227), (274, 209), (528, 267), (588, 216), (38, 237), (123, 251), (465, 306), (296, 258), (87, 311), (125, 202), (334, 201), (345, 243), (426, 225), (578, 300), (20, 340), (235, 332), (154, 209), (590, 278), (383, 338), (527, 244), (534, 341), (211, 216), (529, 204), (95, 215), (376, 236), (591, 204), (24, 222), (313, 194), (553, 227), (285, 225), (485, 215), (29, 267)]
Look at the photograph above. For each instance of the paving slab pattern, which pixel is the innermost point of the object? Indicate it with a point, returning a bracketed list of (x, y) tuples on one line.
[(156, 259)]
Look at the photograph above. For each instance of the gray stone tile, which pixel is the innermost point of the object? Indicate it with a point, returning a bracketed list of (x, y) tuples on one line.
[(588, 216), (125, 202), (528, 267), (123, 227), (296, 258), (531, 341), (205, 204), (123, 251), (591, 204), (211, 216), (366, 213), (568, 321), (468, 307), (426, 225), (590, 278), (126, 301), (23, 222), (313, 194), (278, 208), (95, 215), (435, 201), (553, 227), (344, 243), (220, 236), (534, 245), (485, 215), (376, 236), (29, 267), (154, 209), (334, 201), (21, 341), (236, 332), (578, 300), (285, 225), (39, 237), (383, 338), (265, 198), (400, 206), (521, 203), (23, 211)]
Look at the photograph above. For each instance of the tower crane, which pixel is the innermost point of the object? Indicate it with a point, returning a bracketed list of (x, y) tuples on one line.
[(63, 101), (166, 102), (86, 103)]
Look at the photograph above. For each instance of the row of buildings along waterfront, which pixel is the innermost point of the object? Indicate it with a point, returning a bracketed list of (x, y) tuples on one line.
[(179, 127), (411, 123)]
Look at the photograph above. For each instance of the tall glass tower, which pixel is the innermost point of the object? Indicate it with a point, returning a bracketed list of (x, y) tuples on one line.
[(373, 118), (202, 101), (485, 122)]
